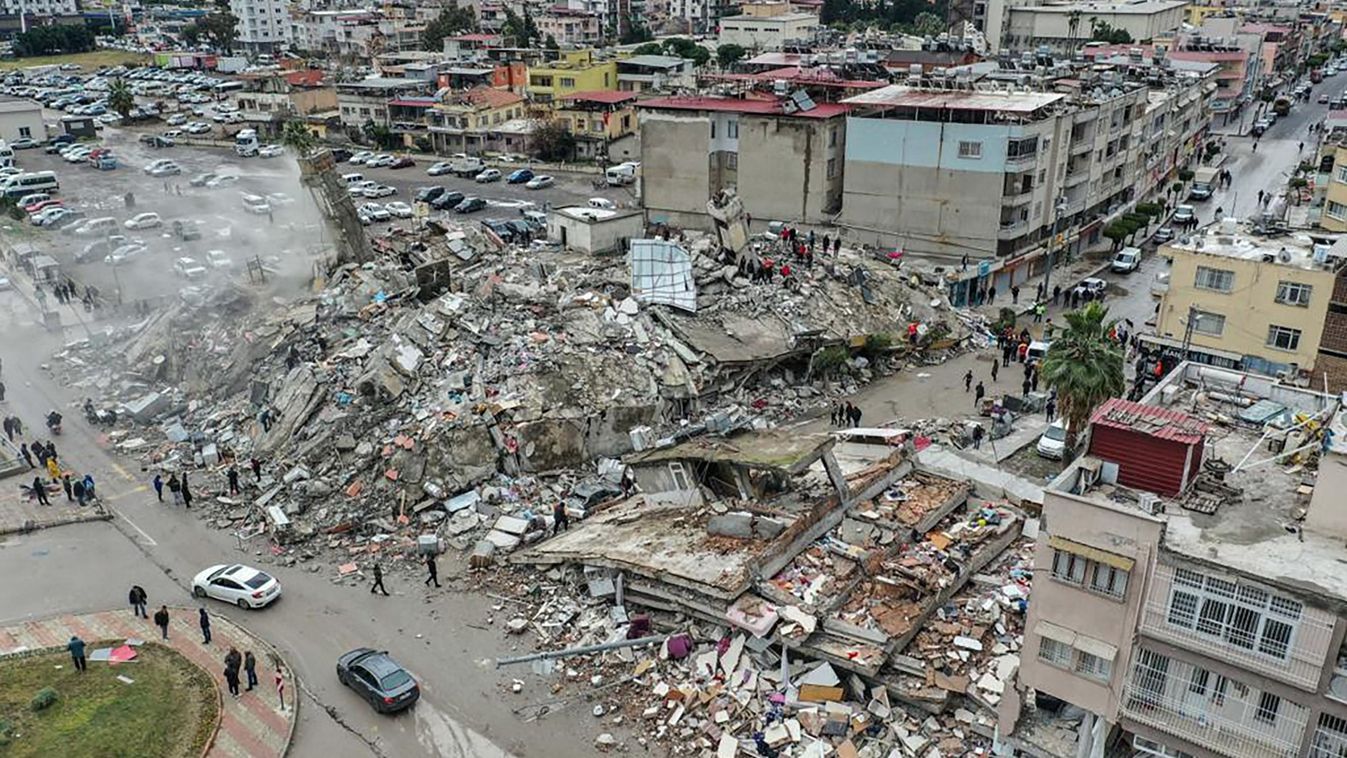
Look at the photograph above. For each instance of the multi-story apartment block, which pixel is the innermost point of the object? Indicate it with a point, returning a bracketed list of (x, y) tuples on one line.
[(785, 161), (369, 99), (1188, 592), (766, 26), (462, 122), (597, 119), (263, 25), (572, 27), (335, 32), (575, 71), (1234, 293), (1065, 27), (276, 97)]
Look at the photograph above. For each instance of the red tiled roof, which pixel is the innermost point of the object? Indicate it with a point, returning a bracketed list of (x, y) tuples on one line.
[(738, 105), (307, 78), (476, 37), (1150, 420), (600, 96)]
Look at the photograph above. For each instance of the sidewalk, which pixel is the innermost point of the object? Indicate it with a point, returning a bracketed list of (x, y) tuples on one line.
[(252, 726), (20, 513)]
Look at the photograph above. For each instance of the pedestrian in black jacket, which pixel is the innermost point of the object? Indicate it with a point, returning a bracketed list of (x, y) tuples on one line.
[(138, 598), (161, 620), (205, 625), (40, 489), (250, 668)]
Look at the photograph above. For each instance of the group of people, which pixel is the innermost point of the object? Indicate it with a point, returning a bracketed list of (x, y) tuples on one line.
[(794, 246), (179, 489), (77, 490), (433, 569), (68, 293), (234, 661), (846, 415)]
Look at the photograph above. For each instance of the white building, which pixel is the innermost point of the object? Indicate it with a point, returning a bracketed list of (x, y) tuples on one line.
[(20, 117), (264, 25), (766, 26), (39, 7), (1066, 26)]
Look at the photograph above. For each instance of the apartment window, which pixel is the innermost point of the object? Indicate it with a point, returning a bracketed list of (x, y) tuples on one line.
[(1335, 210), (1283, 338), (1093, 666), (1108, 580), (1216, 279), (1024, 147), (832, 167), (1294, 293), (1242, 615), (732, 161), (1268, 705), (1205, 322), (832, 137), (971, 150), (1054, 652), (1068, 567), (25, 131), (680, 477), (567, 81), (732, 129)]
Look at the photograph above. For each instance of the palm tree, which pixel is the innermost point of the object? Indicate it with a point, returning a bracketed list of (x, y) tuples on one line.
[(1085, 366), (297, 136), (120, 97)]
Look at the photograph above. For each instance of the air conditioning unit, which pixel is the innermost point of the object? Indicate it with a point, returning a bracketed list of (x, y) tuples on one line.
[(1149, 502)]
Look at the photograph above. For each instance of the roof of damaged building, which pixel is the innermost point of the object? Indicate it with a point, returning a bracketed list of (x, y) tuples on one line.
[(772, 449), (1161, 423)]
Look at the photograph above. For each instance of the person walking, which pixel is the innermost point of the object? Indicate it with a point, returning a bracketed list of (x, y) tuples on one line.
[(40, 489), (968, 380), (560, 521), (231, 675), (175, 489), (161, 620), (978, 394), (257, 468), (233, 475), (855, 416), (53, 469), (434, 571), (977, 437), (378, 580), (76, 648), (1025, 386), (159, 487), (65, 485), (1050, 410), (995, 367), (278, 676), (204, 620), (250, 668), (9, 428), (138, 598), (1014, 294), (186, 492)]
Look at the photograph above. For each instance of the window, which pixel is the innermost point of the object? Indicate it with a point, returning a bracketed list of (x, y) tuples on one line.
[(732, 129), (732, 161), (1108, 580), (1093, 666), (25, 131), (713, 130), (1022, 148), (1244, 616), (832, 167), (1341, 175), (1283, 338), (1214, 279), (1205, 322), (1068, 567), (972, 150), (1335, 210), (679, 474), (1268, 705), (1294, 293), (832, 137), (567, 81), (1054, 652)]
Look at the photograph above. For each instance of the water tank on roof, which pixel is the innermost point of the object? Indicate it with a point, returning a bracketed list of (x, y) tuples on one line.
[(914, 70), (780, 87)]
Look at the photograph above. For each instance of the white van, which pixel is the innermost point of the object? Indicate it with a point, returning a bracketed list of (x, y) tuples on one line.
[(602, 202), (96, 226), (6, 154), (352, 178), (256, 204), (18, 185), (622, 174)]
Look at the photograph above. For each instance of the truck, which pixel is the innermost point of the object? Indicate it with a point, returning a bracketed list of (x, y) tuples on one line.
[(245, 143), (622, 174), (1204, 183), (1282, 105), (466, 165)]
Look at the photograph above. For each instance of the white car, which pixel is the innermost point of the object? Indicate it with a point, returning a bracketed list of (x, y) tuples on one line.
[(379, 190), (1052, 443), (165, 168), (540, 182), (270, 151), (48, 215), (197, 127), (399, 210), (235, 583), (217, 259), (143, 221), (374, 212), (77, 155), (489, 175), (188, 268), (439, 169), (357, 189), (222, 181), (359, 157), (177, 119), (125, 253), (381, 161)]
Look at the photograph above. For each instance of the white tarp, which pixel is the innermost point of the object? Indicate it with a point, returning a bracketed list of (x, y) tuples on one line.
[(661, 272)]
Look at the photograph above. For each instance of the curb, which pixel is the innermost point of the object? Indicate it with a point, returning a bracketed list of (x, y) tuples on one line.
[(29, 527)]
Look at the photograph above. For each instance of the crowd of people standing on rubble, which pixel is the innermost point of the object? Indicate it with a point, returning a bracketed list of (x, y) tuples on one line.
[(794, 247)]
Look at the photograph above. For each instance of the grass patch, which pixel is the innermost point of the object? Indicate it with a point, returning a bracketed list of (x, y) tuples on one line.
[(169, 712), (89, 61)]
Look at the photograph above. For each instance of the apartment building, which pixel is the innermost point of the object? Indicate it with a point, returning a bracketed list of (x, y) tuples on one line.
[(785, 159), (654, 73), (39, 9), (276, 97), (335, 32), (368, 99), (596, 119), (766, 26), (571, 27), (1188, 592), (263, 25), (1263, 299), (1064, 27), (463, 122), (575, 71)]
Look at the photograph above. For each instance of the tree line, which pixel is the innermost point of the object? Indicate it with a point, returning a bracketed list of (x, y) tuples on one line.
[(54, 40)]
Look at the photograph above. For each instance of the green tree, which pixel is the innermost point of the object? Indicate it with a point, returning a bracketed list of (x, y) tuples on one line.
[(452, 20), (928, 24), (550, 44), (220, 30), (552, 141), (637, 31), (1103, 31), (120, 97), (649, 48), (686, 48), (728, 55), (191, 34), (514, 29), (379, 134), (297, 136), (1084, 366)]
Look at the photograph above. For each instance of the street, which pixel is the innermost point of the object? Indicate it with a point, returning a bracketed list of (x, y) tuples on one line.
[(443, 636)]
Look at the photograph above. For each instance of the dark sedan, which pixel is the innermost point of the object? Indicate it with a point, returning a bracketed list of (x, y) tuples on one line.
[(385, 685)]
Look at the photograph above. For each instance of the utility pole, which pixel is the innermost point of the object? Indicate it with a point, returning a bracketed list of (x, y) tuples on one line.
[(1059, 207), (1188, 330)]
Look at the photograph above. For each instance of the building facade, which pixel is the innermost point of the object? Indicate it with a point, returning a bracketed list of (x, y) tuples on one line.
[(766, 26), (1263, 298), (21, 117), (464, 122), (368, 99), (575, 71), (263, 25), (1065, 27)]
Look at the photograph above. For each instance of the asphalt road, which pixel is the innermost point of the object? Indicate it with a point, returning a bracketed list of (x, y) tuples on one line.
[(444, 637), (289, 233)]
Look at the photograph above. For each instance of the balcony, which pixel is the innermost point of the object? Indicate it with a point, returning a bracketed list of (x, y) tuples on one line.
[(1021, 162), (1224, 716), (1009, 230), (1299, 661), (1076, 177), (1082, 145)]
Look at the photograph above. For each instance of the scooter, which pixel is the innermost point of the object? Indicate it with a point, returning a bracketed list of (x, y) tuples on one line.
[(54, 423)]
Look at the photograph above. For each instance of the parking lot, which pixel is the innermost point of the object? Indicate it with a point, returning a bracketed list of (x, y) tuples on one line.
[(285, 237)]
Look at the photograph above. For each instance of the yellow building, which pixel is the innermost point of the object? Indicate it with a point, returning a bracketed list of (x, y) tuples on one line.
[(1263, 299), (1334, 215), (597, 118), (464, 122), (576, 71)]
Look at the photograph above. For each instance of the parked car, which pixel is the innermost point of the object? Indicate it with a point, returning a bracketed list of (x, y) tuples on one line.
[(380, 190), (201, 180), (217, 259), (1183, 214), (377, 678), (1162, 235), (124, 253), (519, 176), (381, 161), (143, 221), (439, 169), (24, 143), (405, 161), (540, 182), (223, 180), (1052, 443), (1091, 286), (186, 230), (359, 157), (235, 583), (374, 212), (1126, 260), (270, 151), (163, 168), (189, 268), (427, 194), (42, 205), (447, 200), (470, 205), (399, 210), (488, 175)]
